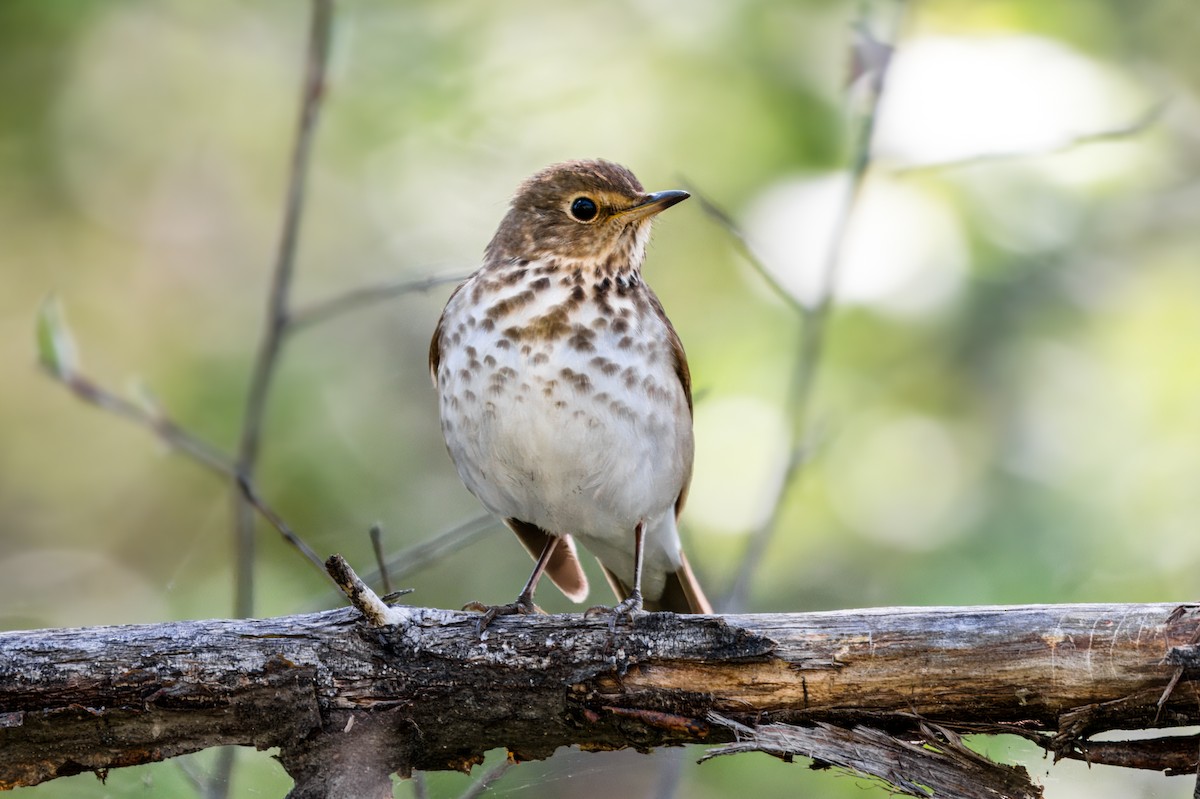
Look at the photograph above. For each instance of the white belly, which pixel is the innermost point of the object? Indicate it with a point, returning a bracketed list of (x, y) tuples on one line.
[(586, 438)]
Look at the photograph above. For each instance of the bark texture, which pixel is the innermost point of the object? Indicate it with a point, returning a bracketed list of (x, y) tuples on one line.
[(348, 703)]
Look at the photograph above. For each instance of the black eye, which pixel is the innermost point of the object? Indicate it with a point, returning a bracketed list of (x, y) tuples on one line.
[(584, 209)]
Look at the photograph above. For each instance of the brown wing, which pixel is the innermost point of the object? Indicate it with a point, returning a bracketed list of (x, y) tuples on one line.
[(435, 344), (679, 357), (682, 592), (435, 349), (564, 569)]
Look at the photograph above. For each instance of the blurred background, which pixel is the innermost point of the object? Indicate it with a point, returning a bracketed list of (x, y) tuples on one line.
[(1008, 407)]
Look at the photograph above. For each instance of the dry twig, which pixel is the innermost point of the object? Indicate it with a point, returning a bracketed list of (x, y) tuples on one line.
[(814, 318), (273, 336), (1142, 123), (935, 762)]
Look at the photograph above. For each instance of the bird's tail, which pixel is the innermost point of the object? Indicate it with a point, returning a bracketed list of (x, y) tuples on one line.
[(681, 593)]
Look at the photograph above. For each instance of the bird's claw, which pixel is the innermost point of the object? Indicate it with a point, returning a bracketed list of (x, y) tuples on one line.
[(627, 609), (523, 606)]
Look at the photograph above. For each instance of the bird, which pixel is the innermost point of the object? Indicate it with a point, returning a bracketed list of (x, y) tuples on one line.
[(564, 391)]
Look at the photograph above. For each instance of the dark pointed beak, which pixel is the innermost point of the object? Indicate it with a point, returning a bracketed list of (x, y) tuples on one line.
[(654, 203)]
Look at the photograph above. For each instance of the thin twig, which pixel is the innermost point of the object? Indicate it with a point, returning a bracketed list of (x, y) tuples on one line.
[(176, 437), (418, 556), (385, 577), (158, 423), (277, 305), (415, 558), (280, 324), (936, 763), (1179, 671), (355, 299), (813, 326), (726, 221), (810, 347), (273, 335), (1146, 120), (374, 610), (255, 501)]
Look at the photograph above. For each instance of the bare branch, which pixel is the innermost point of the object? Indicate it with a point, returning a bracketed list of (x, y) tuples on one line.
[(722, 217), (362, 597), (359, 298), (934, 763), (1171, 754), (385, 577), (813, 328), (255, 501), (884, 691), (1145, 121), (417, 557), (154, 420), (277, 306), (56, 352)]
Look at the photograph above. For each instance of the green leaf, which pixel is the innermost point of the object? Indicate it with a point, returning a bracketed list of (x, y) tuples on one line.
[(56, 347)]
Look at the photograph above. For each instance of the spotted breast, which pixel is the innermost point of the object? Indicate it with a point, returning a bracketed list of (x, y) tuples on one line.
[(564, 390)]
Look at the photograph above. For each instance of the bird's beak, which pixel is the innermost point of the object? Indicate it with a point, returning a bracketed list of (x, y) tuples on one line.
[(653, 204)]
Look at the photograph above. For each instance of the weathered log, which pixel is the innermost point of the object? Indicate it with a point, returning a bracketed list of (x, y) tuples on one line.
[(348, 703)]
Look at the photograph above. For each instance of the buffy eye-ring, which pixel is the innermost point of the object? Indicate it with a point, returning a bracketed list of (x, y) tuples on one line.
[(584, 209)]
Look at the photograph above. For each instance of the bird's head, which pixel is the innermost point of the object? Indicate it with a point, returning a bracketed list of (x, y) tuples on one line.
[(590, 214)]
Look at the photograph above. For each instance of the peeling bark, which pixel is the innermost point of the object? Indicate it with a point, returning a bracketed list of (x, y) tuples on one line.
[(347, 704)]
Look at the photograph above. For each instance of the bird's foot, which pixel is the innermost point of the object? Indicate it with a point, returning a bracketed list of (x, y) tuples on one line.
[(523, 606), (626, 609)]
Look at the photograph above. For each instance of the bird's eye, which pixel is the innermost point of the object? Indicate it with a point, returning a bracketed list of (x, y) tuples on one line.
[(584, 209)]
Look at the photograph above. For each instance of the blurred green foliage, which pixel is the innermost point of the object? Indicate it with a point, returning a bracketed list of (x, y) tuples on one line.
[(1008, 410)]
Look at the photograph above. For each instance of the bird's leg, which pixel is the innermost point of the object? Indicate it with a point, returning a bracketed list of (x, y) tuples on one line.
[(632, 604), (523, 606)]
